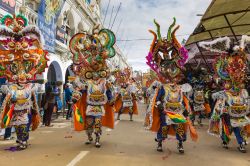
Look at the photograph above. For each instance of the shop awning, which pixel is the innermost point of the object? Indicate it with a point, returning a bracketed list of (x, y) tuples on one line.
[(222, 18)]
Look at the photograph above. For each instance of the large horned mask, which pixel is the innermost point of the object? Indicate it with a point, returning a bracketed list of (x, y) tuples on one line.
[(90, 53), (21, 52), (166, 56)]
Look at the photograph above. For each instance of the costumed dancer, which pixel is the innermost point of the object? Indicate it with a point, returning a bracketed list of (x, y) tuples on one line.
[(170, 114), (199, 105), (92, 94), (126, 97), (22, 57), (151, 91), (231, 111)]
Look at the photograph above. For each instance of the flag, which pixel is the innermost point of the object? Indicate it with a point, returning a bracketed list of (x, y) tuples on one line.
[(8, 116), (176, 118), (226, 131), (77, 114)]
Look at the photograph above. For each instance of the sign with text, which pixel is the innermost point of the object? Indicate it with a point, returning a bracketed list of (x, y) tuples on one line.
[(48, 13)]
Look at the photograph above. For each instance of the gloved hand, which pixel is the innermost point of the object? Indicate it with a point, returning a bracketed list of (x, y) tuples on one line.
[(185, 114), (76, 96), (160, 106)]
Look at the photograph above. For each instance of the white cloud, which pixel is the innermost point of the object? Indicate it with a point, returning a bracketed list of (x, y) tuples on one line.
[(138, 15)]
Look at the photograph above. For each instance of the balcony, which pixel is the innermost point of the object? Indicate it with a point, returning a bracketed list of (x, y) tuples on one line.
[(87, 10), (30, 14)]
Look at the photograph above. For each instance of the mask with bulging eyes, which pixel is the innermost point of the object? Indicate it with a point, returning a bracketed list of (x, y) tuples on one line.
[(166, 56), (232, 69), (22, 56), (90, 52)]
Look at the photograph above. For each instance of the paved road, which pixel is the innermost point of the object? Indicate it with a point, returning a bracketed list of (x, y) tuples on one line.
[(128, 145)]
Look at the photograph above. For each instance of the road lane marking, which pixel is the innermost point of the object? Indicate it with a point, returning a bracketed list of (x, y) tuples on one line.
[(116, 123), (78, 158)]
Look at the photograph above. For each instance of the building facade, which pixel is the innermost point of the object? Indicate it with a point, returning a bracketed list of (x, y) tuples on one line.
[(75, 16)]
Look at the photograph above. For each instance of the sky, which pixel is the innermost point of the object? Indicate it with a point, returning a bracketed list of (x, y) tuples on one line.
[(136, 18)]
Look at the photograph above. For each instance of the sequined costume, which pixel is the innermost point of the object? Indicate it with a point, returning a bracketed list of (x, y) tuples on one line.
[(170, 114), (92, 94), (22, 57), (231, 111)]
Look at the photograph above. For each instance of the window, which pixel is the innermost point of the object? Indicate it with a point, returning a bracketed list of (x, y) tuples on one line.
[(32, 5)]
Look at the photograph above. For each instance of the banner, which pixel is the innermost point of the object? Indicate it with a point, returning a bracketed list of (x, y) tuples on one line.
[(48, 13), (8, 6)]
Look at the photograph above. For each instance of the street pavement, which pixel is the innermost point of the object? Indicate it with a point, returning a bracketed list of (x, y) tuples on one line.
[(127, 145)]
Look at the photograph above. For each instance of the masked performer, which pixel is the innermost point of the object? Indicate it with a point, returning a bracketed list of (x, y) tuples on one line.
[(22, 57), (231, 111), (200, 107), (170, 114), (126, 99), (94, 107)]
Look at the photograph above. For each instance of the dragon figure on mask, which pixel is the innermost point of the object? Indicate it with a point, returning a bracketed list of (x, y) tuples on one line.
[(170, 107), (231, 110), (21, 58), (92, 94), (126, 96)]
